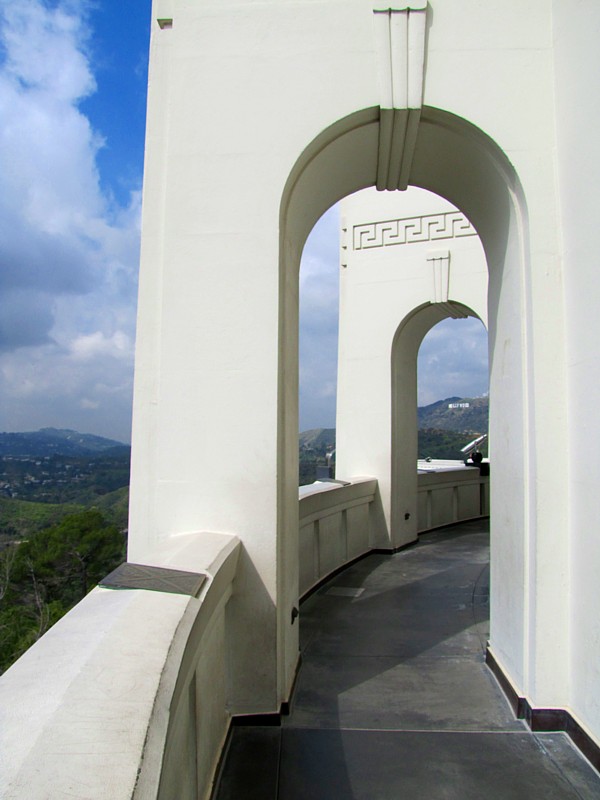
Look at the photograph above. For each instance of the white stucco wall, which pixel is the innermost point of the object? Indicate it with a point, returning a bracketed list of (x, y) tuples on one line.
[(400, 251), (262, 115), (577, 59)]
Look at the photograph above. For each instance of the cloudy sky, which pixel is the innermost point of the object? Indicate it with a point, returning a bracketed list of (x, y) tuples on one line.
[(72, 106)]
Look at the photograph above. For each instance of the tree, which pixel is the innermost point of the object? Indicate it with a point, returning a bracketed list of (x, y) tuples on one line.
[(51, 572)]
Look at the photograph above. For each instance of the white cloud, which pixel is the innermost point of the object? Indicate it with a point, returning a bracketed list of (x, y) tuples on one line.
[(88, 347), (68, 254), (453, 361), (319, 297)]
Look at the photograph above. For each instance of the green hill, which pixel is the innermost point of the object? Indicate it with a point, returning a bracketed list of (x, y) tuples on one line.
[(114, 506), (57, 441), (459, 414), (313, 446), (21, 518), (317, 439), (444, 444)]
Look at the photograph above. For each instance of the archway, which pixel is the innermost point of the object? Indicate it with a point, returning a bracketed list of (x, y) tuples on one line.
[(403, 251), (458, 161), (410, 334)]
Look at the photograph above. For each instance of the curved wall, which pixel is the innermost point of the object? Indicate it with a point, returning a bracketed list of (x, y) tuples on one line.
[(239, 165)]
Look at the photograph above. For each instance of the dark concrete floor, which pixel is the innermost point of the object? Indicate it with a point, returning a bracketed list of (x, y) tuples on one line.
[(394, 699)]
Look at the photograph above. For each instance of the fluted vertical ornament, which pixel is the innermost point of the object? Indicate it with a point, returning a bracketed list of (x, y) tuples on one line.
[(400, 44)]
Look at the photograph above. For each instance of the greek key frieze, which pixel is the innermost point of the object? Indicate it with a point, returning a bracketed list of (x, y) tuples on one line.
[(447, 225)]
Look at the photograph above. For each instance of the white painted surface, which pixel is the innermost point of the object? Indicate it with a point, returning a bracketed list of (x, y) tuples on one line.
[(449, 494), (262, 115), (577, 57), (337, 524), (87, 711), (340, 523), (404, 255)]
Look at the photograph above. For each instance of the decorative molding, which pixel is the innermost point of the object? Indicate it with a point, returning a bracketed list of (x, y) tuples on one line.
[(400, 45), (440, 267), (432, 227)]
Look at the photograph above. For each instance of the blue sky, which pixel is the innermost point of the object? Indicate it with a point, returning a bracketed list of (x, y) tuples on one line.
[(72, 114)]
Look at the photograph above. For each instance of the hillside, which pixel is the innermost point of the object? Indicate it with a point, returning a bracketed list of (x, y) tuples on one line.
[(318, 439), (313, 446), (48, 474), (444, 428), (57, 441), (63, 479), (21, 518), (458, 414), (444, 444)]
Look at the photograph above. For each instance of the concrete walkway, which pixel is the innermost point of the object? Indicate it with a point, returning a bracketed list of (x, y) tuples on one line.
[(394, 699)]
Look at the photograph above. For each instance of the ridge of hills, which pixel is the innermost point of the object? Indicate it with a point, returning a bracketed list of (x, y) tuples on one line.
[(464, 415), (317, 439), (58, 441), (459, 414), (47, 474), (444, 428)]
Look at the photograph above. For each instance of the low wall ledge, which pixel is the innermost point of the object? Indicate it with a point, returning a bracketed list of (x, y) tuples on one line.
[(75, 708)]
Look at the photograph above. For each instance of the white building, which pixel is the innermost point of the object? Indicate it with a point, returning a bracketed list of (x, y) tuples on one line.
[(408, 260), (260, 117)]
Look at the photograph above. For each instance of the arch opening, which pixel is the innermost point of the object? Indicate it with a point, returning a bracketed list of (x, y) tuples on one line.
[(459, 162), (407, 342), (452, 389)]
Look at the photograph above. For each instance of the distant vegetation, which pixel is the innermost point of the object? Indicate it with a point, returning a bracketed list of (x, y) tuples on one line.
[(64, 500), (45, 575), (445, 444), (63, 521), (448, 425), (444, 428), (313, 447), (52, 473)]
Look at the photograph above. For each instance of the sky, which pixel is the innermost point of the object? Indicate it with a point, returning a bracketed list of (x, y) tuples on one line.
[(72, 115)]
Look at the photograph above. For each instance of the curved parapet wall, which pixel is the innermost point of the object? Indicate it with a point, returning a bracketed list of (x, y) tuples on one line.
[(126, 696), (340, 521), (450, 493)]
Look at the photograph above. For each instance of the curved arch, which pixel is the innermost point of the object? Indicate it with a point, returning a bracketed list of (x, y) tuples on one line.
[(458, 161), (405, 348), (453, 158)]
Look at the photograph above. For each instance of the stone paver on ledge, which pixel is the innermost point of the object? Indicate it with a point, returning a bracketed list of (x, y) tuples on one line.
[(393, 698)]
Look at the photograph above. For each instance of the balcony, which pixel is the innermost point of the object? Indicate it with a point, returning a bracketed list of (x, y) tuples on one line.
[(394, 698), (128, 696)]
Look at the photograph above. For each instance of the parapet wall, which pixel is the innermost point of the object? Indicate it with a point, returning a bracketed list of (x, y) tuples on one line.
[(342, 521), (129, 695), (126, 696), (446, 496)]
